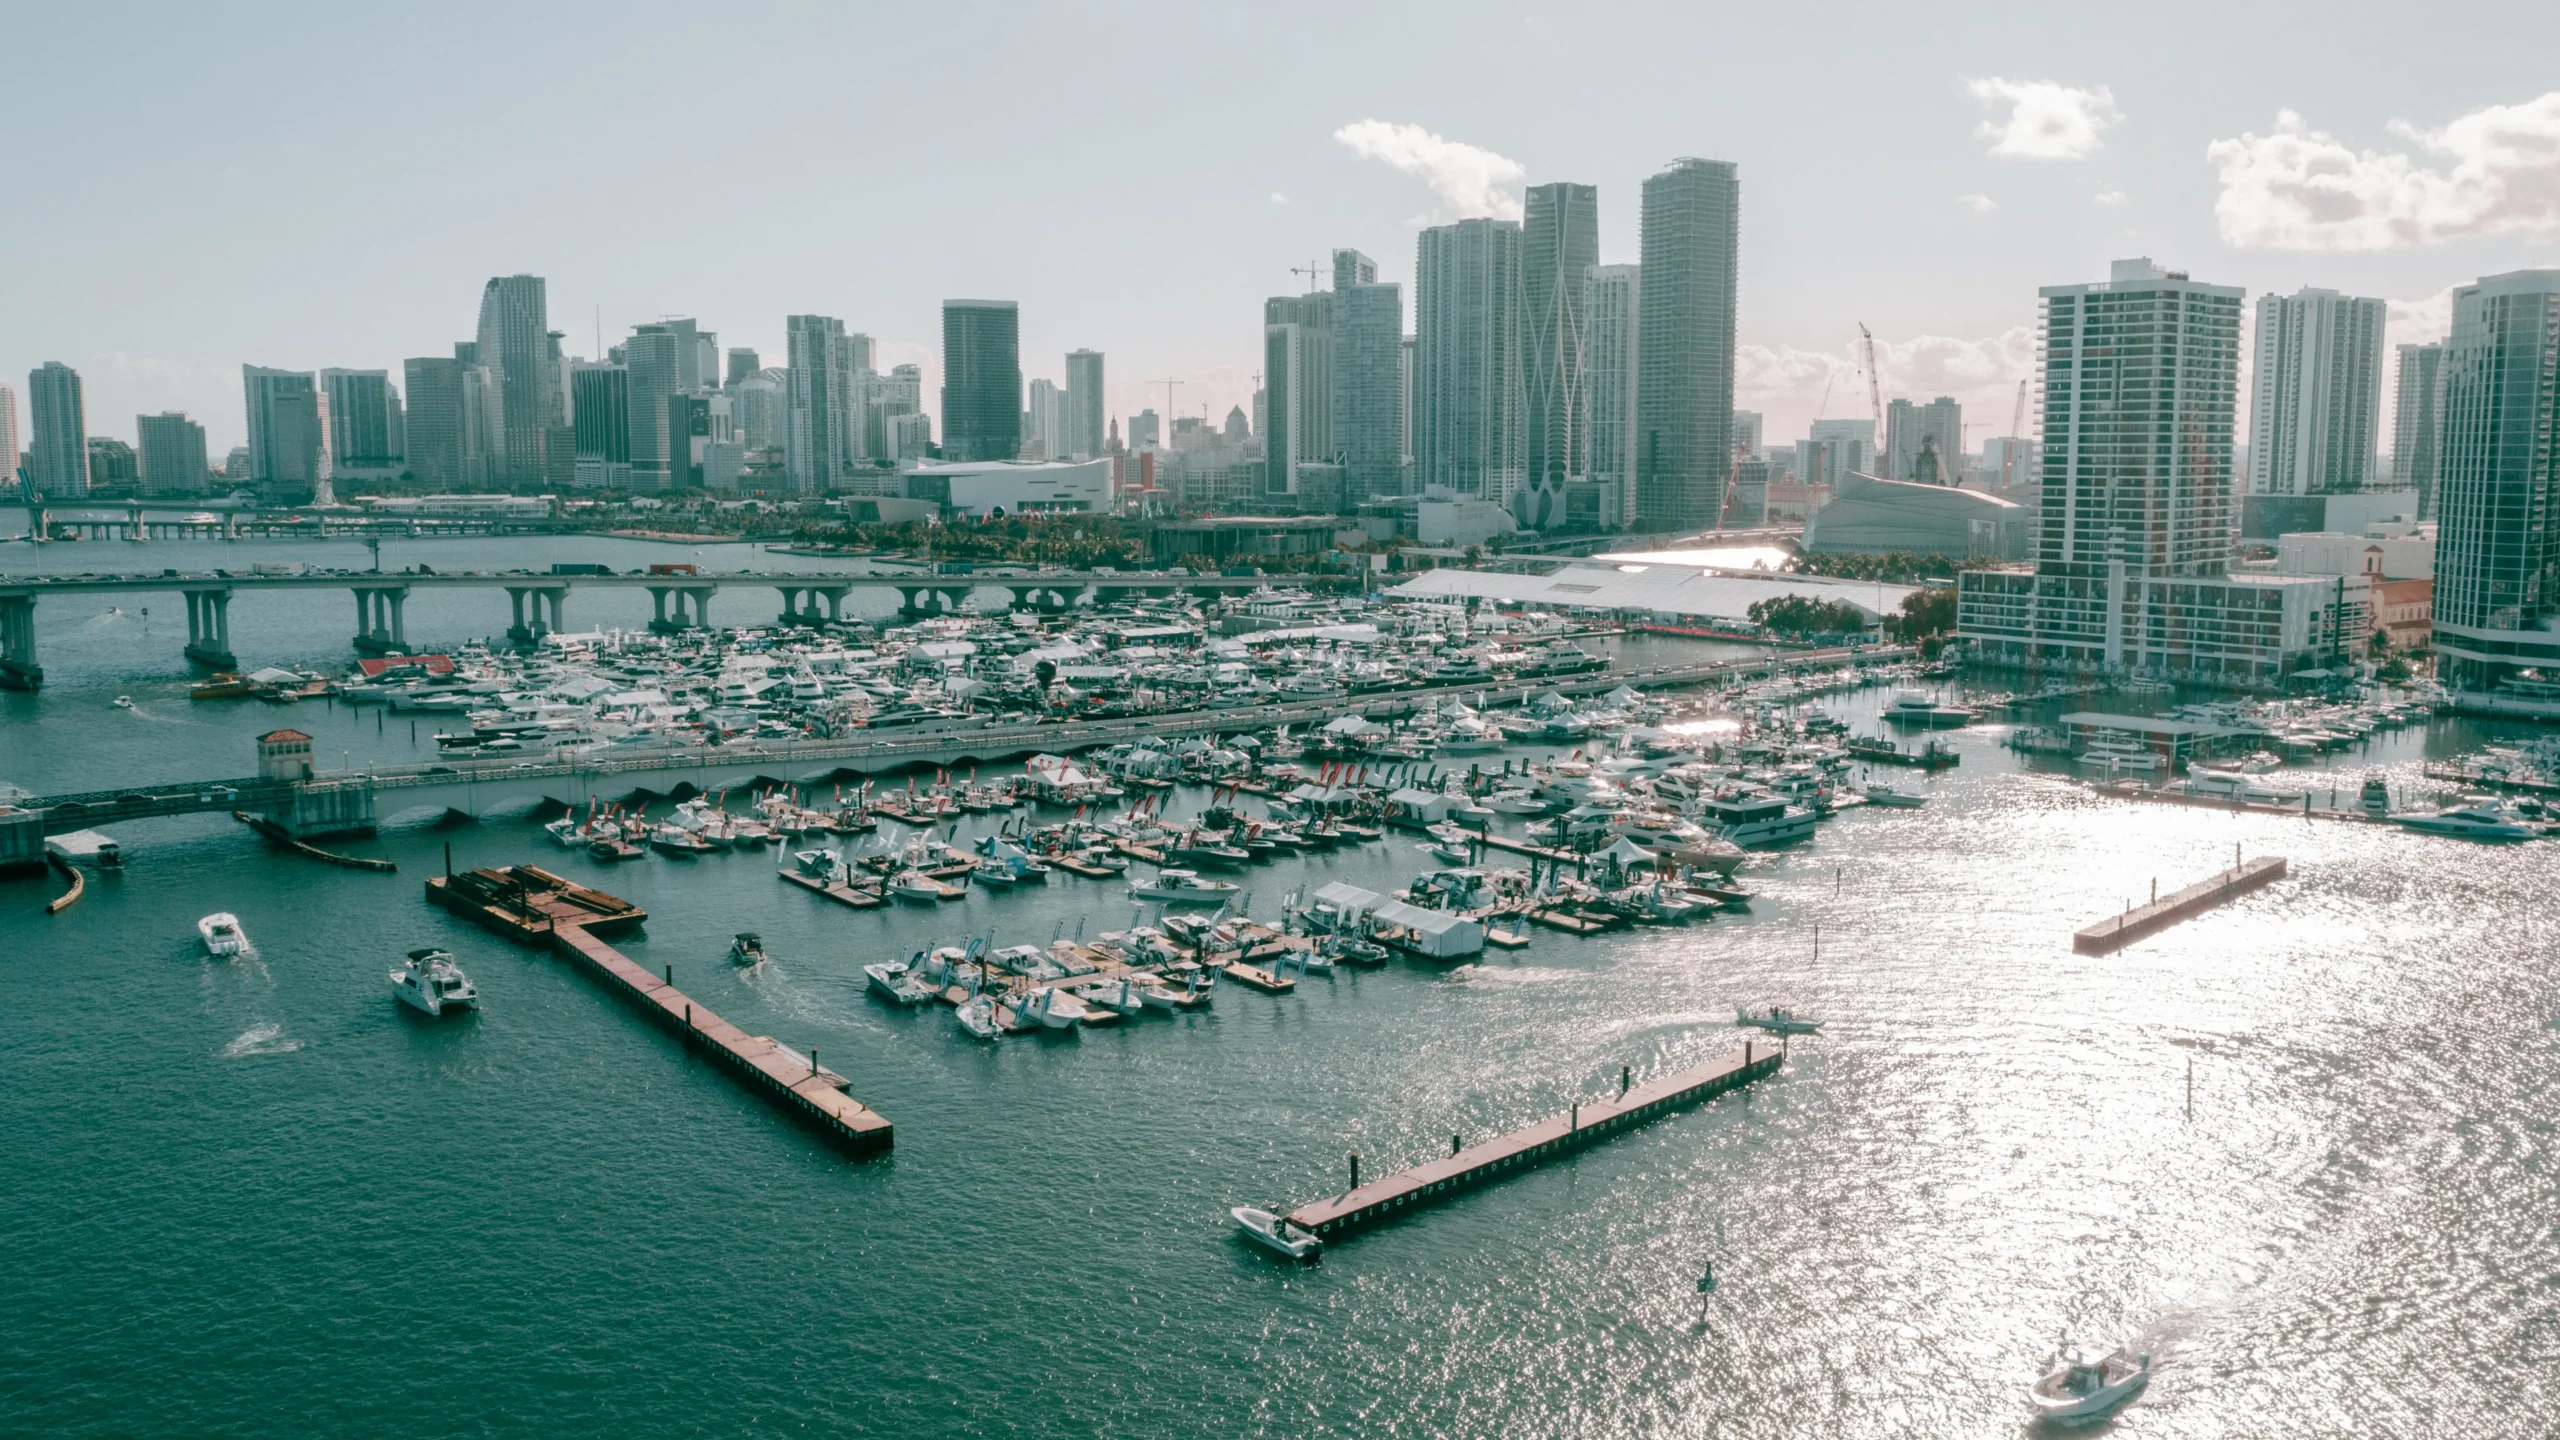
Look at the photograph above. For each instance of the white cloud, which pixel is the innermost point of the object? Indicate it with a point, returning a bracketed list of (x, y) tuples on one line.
[(2110, 198), (1279, 199), (2302, 189), (1469, 179), (1979, 204), (1788, 385), (2047, 120)]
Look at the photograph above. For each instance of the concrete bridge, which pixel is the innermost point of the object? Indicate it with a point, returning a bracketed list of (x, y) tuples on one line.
[(541, 600), (355, 801), (147, 519)]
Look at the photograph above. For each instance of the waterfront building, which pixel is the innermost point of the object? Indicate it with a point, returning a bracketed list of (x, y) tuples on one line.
[(983, 489), (433, 447), (288, 435), (172, 459), (361, 405), (514, 344), (1690, 248), (1470, 396), (1871, 515), (2315, 394), (1043, 421), (981, 379), (1924, 442), (111, 465), (2419, 391), (2135, 522), (57, 432), (1559, 243), (1081, 420), (2497, 569), (1610, 296), (600, 426)]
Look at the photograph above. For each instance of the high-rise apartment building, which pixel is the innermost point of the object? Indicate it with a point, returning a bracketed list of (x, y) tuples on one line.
[(981, 380), (1924, 442), (1043, 421), (896, 398), (1470, 399), (1368, 381), (10, 449), (2415, 422), (2315, 395), (1610, 297), (600, 425), (434, 444), (2132, 572), (1297, 377), (743, 365), (1559, 243), (1690, 247), (360, 406), (758, 404), (656, 357), (1082, 419), (288, 435), (513, 344), (57, 432), (815, 444), (2497, 592), (171, 453)]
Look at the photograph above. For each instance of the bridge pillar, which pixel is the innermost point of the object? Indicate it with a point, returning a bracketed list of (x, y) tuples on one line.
[(658, 593), (18, 668), (834, 596), (134, 528), (554, 599), (907, 606), (380, 628), (321, 809), (516, 631), (701, 597), (209, 629)]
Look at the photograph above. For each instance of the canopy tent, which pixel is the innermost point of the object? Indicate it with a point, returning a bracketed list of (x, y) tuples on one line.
[(1351, 725), (1628, 855)]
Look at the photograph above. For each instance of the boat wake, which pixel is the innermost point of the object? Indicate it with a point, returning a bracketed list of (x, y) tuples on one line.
[(260, 1040)]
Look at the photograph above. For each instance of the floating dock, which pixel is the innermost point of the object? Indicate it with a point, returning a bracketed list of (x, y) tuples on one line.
[(1549, 1139), (281, 836), (2108, 936), (532, 906), (836, 890)]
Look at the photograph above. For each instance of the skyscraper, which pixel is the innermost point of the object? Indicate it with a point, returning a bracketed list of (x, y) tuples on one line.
[(1611, 295), (1083, 418), (814, 444), (1469, 397), (2497, 593), (1044, 420), (743, 363), (1368, 380), (2414, 424), (57, 432), (2315, 399), (172, 456), (757, 407), (2141, 385), (288, 435), (514, 321), (897, 398), (360, 404), (600, 426), (1924, 438), (1691, 251), (9, 447), (434, 449), (981, 380), (655, 356), (1559, 243), (1297, 376), (855, 377)]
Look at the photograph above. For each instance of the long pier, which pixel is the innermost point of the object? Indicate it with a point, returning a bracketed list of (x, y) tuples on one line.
[(2110, 935), (1526, 1148)]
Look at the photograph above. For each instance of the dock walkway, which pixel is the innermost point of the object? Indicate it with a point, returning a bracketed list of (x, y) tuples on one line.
[(1548, 1139), (2110, 935)]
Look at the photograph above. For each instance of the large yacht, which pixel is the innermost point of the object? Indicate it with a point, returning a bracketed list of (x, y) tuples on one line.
[(1750, 819), (432, 983)]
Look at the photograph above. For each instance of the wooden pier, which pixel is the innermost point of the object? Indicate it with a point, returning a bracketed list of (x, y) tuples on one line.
[(2110, 935), (527, 904), (1551, 1138), (836, 890)]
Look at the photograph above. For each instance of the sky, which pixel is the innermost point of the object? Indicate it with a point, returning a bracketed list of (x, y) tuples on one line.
[(331, 185)]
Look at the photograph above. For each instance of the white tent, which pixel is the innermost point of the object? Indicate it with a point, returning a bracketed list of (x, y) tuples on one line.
[(1350, 725), (1434, 933), (1629, 854)]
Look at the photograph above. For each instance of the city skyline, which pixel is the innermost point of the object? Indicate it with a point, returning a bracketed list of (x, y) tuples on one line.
[(2018, 154)]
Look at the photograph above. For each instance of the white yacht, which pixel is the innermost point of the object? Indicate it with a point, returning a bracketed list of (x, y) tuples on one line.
[(2229, 785), (1777, 1021), (2084, 1390), (900, 982), (2470, 822), (1516, 802), (1472, 736), (1184, 887), (1761, 819), (222, 934), (915, 885), (1893, 799), (1922, 712), (2117, 754), (432, 983), (566, 832)]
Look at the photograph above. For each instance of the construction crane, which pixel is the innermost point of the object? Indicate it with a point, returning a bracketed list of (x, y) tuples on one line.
[(2017, 437), (1314, 270), (1732, 481), (1875, 388)]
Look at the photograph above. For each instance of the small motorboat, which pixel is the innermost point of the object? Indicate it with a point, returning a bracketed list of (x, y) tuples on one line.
[(1185, 887), (1516, 802), (1777, 1021), (676, 843), (2085, 1390), (747, 949), (1893, 799), (1053, 1008), (900, 982), (1119, 998), (978, 1017), (432, 983), (1275, 1233), (1349, 950), (566, 833), (124, 702), (1451, 851), (912, 884), (222, 934)]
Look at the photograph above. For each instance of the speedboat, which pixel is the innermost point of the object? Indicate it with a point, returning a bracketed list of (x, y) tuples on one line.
[(1893, 799), (431, 982), (746, 949), (1121, 998), (1919, 710), (566, 833), (2085, 1390), (899, 982), (1184, 887), (676, 844), (915, 885), (978, 1017), (222, 934), (1276, 1233), (1053, 1008), (1777, 1021), (2470, 822), (125, 702)]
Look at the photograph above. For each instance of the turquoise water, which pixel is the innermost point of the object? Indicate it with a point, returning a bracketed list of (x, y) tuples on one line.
[(257, 1197)]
